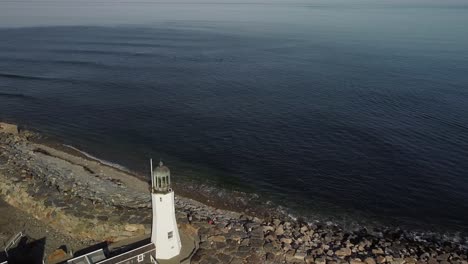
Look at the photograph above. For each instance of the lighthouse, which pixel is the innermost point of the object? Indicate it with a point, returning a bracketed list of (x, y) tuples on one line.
[(164, 234)]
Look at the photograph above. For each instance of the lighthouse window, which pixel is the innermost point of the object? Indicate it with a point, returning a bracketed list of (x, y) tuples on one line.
[(170, 235), (160, 199), (141, 257)]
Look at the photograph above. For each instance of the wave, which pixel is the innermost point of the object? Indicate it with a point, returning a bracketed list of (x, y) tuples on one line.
[(153, 55), (36, 78), (95, 52), (12, 95), (116, 44), (105, 162), (22, 77), (48, 79), (15, 95)]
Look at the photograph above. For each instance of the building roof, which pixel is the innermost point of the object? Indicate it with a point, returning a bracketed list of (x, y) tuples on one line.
[(136, 253)]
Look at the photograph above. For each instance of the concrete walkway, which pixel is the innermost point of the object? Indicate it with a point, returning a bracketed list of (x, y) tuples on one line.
[(189, 247)]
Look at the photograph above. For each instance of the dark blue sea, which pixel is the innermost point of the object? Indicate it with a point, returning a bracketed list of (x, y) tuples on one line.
[(336, 111)]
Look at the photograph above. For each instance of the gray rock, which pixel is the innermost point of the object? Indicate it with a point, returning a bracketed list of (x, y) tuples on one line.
[(343, 252), (320, 260), (286, 240), (276, 222), (380, 259), (269, 256), (279, 231), (377, 251), (356, 261), (299, 255), (309, 259)]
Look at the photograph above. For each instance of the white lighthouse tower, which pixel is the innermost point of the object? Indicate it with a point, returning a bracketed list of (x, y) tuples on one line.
[(164, 234)]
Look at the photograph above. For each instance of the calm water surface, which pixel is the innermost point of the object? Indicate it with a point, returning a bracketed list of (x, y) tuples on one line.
[(343, 111)]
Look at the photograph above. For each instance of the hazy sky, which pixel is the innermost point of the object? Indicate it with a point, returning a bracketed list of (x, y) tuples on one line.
[(14, 13)]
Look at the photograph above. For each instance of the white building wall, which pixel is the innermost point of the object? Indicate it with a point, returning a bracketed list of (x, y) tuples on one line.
[(164, 222)]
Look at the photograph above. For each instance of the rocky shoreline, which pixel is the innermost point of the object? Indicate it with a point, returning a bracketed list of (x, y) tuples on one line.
[(89, 201)]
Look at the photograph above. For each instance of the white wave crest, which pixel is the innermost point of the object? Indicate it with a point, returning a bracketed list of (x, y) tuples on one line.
[(105, 162)]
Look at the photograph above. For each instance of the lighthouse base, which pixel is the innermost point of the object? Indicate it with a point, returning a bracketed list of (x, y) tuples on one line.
[(165, 233)]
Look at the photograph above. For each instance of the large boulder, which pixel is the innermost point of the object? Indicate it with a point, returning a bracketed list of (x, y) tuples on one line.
[(343, 252), (377, 251), (279, 231), (8, 128), (300, 255), (217, 239), (380, 259), (286, 240), (356, 261), (309, 259), (397, 261), (321, 260), (268, 228)]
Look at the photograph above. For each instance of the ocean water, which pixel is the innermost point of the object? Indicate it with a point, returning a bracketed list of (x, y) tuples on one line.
[(344, 111)]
